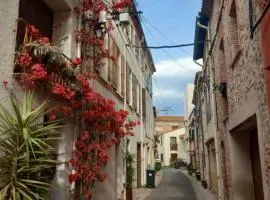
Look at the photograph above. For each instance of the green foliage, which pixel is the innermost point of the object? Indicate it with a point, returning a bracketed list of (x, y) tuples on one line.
[(158, 166), (27, 159), (130, 171)]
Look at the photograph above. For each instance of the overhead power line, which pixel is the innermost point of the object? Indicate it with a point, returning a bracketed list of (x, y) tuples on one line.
[(169, 46), (164, 35)]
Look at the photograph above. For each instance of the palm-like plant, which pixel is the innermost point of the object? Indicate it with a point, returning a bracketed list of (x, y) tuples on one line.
[(27, 156)]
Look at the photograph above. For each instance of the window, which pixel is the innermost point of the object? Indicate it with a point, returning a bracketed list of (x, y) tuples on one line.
[(122, 75), (161, 157), (138, 98), (144, 102), (137, 50), (134, 91), (233, 31), (36, 13), (223, 80), (128, 75), (113, 64), (173, 143)]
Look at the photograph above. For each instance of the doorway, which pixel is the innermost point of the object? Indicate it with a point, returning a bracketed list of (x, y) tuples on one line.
[(245, 161), (139, 166)]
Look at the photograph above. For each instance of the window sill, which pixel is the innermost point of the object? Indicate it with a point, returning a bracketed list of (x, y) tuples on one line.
[(235, 58)]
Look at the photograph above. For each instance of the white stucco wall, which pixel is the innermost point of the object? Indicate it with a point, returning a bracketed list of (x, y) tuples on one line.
[(188, 106), (164, 148)]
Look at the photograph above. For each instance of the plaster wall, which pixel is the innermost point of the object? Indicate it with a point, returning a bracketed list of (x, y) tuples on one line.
[(181, 153)]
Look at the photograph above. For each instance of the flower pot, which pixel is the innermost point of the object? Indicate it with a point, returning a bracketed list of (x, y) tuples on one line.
[(204, 184), (198, 175)]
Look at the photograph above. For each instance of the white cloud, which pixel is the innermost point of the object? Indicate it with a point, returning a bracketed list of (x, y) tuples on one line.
[(182, 67), (168, 93)]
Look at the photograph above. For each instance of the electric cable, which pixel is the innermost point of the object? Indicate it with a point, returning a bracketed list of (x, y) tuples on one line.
[(163, 35), (166, 52), (169, 46)]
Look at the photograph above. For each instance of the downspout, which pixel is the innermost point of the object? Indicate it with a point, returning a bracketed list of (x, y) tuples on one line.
[(214, 113)]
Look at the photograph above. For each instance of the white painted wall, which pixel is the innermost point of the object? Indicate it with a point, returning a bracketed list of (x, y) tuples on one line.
[(188, 106), (165, 146)]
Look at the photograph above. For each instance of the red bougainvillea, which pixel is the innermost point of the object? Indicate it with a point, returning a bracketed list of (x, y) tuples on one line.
[(43, 67)]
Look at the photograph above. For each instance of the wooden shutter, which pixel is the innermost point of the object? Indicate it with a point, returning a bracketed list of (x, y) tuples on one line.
[(110, 62), (134, 91), (137, 50), (116, 53), (128, 83), (122, 75), (144, 102)]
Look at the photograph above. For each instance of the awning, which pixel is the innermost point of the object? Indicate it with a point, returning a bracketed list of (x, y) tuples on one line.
[(200, 35)]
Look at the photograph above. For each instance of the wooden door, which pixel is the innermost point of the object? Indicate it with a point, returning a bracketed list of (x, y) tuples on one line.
[(256, 165), (139, 166)]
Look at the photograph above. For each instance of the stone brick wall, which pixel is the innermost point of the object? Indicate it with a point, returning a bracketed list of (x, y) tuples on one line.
[(241, 65)]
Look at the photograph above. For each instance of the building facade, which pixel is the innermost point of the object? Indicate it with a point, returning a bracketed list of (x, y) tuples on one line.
[(130, 78), (234, 96), (172, 147), (170, 132)]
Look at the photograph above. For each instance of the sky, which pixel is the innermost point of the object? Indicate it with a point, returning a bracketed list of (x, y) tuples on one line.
[(168, 22)]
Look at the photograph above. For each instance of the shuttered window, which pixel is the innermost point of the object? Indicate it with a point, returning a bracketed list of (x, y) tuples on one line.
[(134, 91), (128, 74), (112, 63), (144, 102), (233, 30), (122, 75), (137, 50)]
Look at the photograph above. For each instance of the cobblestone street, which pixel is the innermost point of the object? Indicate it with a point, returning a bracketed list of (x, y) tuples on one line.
[(174, 186)]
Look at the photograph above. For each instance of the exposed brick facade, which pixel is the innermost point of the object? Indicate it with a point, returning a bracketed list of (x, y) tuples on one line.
[(237, 60)]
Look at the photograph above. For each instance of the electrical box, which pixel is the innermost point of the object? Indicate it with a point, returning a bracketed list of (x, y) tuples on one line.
[(124, 18), (102, 17)]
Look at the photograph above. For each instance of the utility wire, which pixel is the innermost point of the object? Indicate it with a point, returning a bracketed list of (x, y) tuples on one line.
[(169, 46), (163, 35), (167, 53)]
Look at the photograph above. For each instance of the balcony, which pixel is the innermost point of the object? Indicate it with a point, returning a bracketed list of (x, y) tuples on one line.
[(173, 147)]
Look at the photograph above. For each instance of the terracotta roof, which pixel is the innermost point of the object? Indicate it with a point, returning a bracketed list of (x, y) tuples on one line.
[(171, 131), (170, 118)]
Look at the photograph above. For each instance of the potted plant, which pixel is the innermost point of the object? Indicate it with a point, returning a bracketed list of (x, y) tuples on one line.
[(190, 169), (130, 173), (204, 184), (198, 175)]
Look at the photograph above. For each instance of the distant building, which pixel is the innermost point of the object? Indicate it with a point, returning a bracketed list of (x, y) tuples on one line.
[(172, 144), (188, 106)]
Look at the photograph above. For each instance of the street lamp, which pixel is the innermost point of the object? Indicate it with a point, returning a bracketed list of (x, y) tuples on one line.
[(100, 31)]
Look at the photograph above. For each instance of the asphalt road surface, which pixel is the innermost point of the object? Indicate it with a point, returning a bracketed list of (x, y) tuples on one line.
[(173, 186)]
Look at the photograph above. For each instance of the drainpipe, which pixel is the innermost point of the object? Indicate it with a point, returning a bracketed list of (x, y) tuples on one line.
[(214, 113)]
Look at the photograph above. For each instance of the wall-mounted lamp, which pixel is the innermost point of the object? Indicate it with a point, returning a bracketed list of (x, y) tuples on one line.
[(100, 31)]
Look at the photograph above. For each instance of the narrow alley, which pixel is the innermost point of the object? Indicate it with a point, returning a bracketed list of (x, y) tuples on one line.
[(174, 185)]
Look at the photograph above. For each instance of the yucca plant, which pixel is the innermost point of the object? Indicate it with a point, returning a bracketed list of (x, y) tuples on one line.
[(27, 156)]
